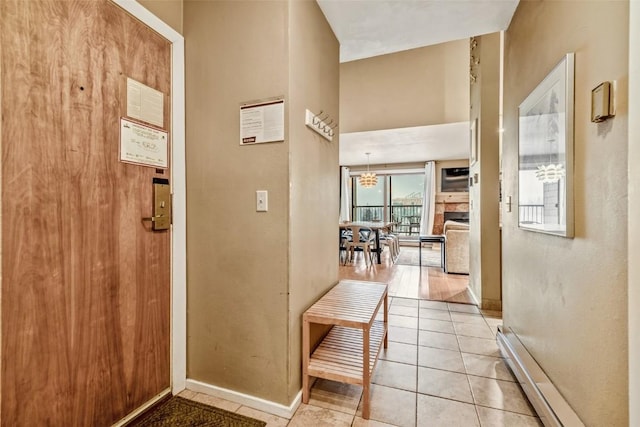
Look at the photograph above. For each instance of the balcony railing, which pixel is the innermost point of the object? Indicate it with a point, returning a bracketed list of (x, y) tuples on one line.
[(531, 214), (406, 217), (368, 213)]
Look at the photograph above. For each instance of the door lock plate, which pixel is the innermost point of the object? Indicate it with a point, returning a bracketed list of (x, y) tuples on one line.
[(161, 219)]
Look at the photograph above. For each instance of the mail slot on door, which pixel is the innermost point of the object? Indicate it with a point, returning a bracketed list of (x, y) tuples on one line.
[(161, 219)]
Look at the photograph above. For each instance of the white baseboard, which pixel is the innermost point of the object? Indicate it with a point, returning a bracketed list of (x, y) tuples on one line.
[(143, 408), (486, 304), (247, 400), (473, 297), (547, 401)]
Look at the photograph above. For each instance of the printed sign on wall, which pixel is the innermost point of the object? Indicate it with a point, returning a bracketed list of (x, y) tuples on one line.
[(262, 122)]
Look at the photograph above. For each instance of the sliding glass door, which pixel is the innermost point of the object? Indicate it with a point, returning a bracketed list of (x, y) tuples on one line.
[(369, 203), (406, 193), (396, 198)]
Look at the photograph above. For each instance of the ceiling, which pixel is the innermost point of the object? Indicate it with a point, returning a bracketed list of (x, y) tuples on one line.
[(406, 145), (367, 28)]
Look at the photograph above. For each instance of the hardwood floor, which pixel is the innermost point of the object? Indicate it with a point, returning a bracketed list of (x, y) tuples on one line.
[(411, 281)]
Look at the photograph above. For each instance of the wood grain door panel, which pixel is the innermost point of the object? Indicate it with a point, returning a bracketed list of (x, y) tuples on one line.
[(85, 283)]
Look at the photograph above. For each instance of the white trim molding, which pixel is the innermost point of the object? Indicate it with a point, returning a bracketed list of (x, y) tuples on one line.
[(473, 296), (179, 188), (247, 400), (140, 410)]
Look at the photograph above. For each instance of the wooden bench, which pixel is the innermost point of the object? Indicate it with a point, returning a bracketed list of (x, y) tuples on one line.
[(349, 352)]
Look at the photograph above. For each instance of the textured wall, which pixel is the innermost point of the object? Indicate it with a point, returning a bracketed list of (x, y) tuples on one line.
[(170, 11), (634, 215), (315, 177), (237, 258), (567, 298), (252, 274), (416, 87)]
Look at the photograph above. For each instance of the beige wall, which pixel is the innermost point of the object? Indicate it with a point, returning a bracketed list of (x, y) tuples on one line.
[(484, 230), (417, 87), (314, 172), (237, 258), (169, 11), (567, 298), (251, 274), (634, 215)]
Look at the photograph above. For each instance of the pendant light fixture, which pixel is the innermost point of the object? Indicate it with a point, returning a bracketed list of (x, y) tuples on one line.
[(368, 179), (550, 173)]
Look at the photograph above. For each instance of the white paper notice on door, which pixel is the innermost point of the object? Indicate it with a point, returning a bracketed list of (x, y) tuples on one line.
[(143, 145), (144, 103)]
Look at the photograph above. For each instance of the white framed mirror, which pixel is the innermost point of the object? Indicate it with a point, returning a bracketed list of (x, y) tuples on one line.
[(545, 154)]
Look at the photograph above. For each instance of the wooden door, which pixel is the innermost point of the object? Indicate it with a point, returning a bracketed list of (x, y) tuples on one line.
[(85, 283)]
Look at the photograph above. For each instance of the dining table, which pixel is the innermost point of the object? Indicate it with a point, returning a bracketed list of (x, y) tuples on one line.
[(375, 226)]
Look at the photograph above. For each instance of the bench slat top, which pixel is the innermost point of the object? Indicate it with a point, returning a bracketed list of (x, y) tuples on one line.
[(349, 303)]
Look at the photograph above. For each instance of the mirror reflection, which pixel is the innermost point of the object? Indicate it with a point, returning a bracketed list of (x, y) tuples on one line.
[(545, 127)]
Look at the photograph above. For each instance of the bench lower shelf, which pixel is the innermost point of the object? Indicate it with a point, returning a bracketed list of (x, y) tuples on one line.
[(339, 356), (358, 315)]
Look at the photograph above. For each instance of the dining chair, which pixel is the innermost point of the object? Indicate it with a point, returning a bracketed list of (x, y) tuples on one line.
[(362, 238), (393, 243), (414, 224), (345, 237)]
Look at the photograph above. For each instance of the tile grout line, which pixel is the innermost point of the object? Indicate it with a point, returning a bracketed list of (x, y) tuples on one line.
[(416, 393), (417, 334), (466, 375), (417, 361)]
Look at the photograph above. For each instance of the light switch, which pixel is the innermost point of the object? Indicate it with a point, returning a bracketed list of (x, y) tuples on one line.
[(262, 200)]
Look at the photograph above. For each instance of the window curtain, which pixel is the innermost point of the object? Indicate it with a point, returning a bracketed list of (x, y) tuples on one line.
[(345, 194), (428, 199)]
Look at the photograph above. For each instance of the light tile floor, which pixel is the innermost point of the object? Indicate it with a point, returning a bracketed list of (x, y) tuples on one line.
[(442, 368)]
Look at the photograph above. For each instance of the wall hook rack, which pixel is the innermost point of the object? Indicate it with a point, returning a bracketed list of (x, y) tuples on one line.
[(318, 123)]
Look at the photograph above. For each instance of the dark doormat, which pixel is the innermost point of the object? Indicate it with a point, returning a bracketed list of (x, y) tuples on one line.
[(179, 412)]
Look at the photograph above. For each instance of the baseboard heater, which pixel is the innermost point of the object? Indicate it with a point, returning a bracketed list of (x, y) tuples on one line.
[(551, 407)]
